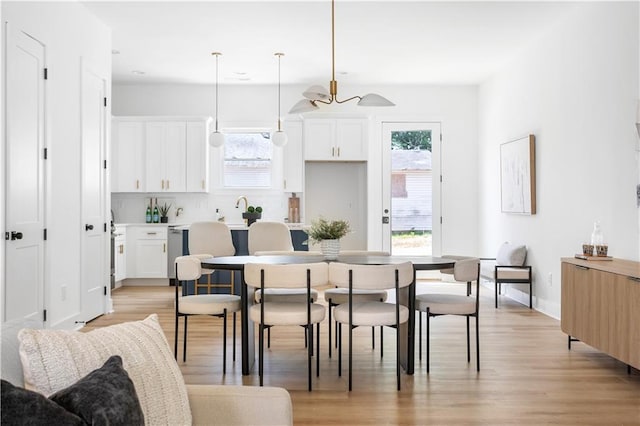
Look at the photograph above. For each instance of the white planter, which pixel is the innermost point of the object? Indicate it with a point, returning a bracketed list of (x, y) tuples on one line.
[(330, 249)]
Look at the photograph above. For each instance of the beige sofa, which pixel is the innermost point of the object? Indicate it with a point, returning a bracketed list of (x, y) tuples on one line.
[(208, 404)]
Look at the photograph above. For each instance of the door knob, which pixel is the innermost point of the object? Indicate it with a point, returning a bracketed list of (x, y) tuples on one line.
[(16, 235), (88, 227)]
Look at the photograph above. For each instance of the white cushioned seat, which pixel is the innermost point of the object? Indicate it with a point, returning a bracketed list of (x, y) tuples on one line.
[(285, 313), (487, 271), (371, 313), (508, 267), (209, 304), (442, 304)]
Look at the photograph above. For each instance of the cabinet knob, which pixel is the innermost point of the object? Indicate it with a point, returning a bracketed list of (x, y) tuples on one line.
[(162, 183), (137, 184), (333, 151), (338, 151)]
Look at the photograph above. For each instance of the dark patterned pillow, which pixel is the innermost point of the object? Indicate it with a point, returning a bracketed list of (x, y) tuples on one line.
[(105, 396), (24, 407)]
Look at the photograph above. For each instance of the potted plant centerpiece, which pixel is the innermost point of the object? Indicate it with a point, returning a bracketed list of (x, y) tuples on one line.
[(328, 234), (164, 211), (252, 214)]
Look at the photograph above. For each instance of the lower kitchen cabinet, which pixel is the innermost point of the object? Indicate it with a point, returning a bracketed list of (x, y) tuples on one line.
[(149, 252), (120, 253)]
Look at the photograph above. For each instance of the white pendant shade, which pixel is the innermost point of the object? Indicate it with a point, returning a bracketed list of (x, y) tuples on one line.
[(316, 92), (216, 139), (374, 100), (303, 105), (279, 138)]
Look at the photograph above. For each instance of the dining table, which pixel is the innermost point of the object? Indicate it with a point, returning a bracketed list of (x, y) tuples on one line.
[(407, 296)]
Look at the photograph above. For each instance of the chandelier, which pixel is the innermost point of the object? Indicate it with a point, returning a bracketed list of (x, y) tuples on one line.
[(318, 94)]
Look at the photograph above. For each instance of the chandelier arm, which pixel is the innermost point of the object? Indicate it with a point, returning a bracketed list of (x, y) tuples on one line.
[(329, 102), (347, 100)]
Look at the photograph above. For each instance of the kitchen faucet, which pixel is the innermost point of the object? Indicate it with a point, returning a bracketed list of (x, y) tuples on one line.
[(246, 203)]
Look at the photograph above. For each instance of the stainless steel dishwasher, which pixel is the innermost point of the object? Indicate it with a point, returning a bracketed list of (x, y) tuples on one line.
[(174, 241)]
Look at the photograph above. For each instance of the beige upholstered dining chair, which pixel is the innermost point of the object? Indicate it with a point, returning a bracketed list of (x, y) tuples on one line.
[(464, 270), (370, 313), (270, 312), (337, 296), (508, 267), (188, 268), (211, 239)]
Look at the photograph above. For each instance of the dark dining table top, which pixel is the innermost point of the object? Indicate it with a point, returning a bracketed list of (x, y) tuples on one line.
[(420, 263)]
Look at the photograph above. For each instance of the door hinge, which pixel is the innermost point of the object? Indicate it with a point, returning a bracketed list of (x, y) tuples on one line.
[(44, 232), (46, 73), (105, 227), (105, 101), (45, 153), (105, 164), (440, 178), (440, 136), (440, 220), (105, 290), (7, 236), (44, 315)]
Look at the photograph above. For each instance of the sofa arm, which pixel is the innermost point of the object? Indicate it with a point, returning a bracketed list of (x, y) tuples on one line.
[(239, 405)]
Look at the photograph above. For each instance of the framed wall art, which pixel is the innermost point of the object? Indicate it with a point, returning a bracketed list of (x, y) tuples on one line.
[(518, 176)]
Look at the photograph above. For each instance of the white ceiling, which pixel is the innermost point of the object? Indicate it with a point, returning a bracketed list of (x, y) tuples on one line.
[(377, 42)]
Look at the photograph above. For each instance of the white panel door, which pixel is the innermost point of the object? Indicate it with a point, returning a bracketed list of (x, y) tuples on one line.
[(155, 136), (94, 255), (24, 168), (351, 139), (319, 139), (197, 157), (129, 165), (175, 157)]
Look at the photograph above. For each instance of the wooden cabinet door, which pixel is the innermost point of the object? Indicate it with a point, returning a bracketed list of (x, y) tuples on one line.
[(575, 316), (319, 140), (632, 314), (197, 157), (351, 139), (128, 157)]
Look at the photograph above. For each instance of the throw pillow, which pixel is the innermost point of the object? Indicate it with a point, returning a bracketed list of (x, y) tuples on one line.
[(105, 396), (55, 359), (24, 407), (511, 254)]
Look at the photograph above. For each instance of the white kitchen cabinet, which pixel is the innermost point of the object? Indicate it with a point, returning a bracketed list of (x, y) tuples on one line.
[(149, 252), (293, 167), (166, 143), (120, 247), (128, 156), (197, 165), (343, 139)]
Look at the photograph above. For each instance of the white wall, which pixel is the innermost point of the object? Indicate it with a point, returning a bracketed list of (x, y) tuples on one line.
[(576, 90), (70, 34), (252, 105)]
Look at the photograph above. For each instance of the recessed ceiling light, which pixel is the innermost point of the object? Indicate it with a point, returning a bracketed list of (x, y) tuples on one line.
[(138, 72), (115, 52)]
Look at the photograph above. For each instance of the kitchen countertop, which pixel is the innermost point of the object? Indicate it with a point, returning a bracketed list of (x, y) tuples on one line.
[(183, 226)]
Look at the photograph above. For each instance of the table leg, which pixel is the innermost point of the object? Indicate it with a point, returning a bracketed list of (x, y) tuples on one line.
[(407, 330), (248, 340)]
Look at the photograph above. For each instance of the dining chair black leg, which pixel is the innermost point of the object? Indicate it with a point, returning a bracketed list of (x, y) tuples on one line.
[(268, 337), (420, 335), (373, 337), (309, 354), (261, 355), (330, 328), (350, 354), (184, 348), (318, 350), (224, 342), (339, 337), (468, 348), (381, 341), (427, 338), (306, 331), (477, 344), (497, 295), (398, 353), (234, 337), (175, 340)]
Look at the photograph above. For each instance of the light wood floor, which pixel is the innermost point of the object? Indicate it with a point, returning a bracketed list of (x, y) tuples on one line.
[(527, 374)]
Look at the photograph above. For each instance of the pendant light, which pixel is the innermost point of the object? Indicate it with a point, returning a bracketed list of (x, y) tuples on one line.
[(216, 138), (279, 137), (318, 94)]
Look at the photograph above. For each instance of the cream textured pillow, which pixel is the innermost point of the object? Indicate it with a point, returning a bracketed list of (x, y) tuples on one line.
[(511, 254), (55, 359)]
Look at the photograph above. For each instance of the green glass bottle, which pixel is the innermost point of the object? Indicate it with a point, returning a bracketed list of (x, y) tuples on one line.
[(156, 214), (148, 215)]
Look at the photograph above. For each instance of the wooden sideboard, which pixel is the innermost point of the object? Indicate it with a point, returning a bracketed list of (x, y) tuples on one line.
[(601, 306)]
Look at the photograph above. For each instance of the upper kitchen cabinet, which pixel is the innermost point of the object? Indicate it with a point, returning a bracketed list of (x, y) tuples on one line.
[(343, 139), (160, 154), (292, 158), (128, 156), (166, 156), (198, 156)]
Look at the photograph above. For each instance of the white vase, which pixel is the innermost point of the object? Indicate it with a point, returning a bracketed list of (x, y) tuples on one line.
[(330, 249)]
